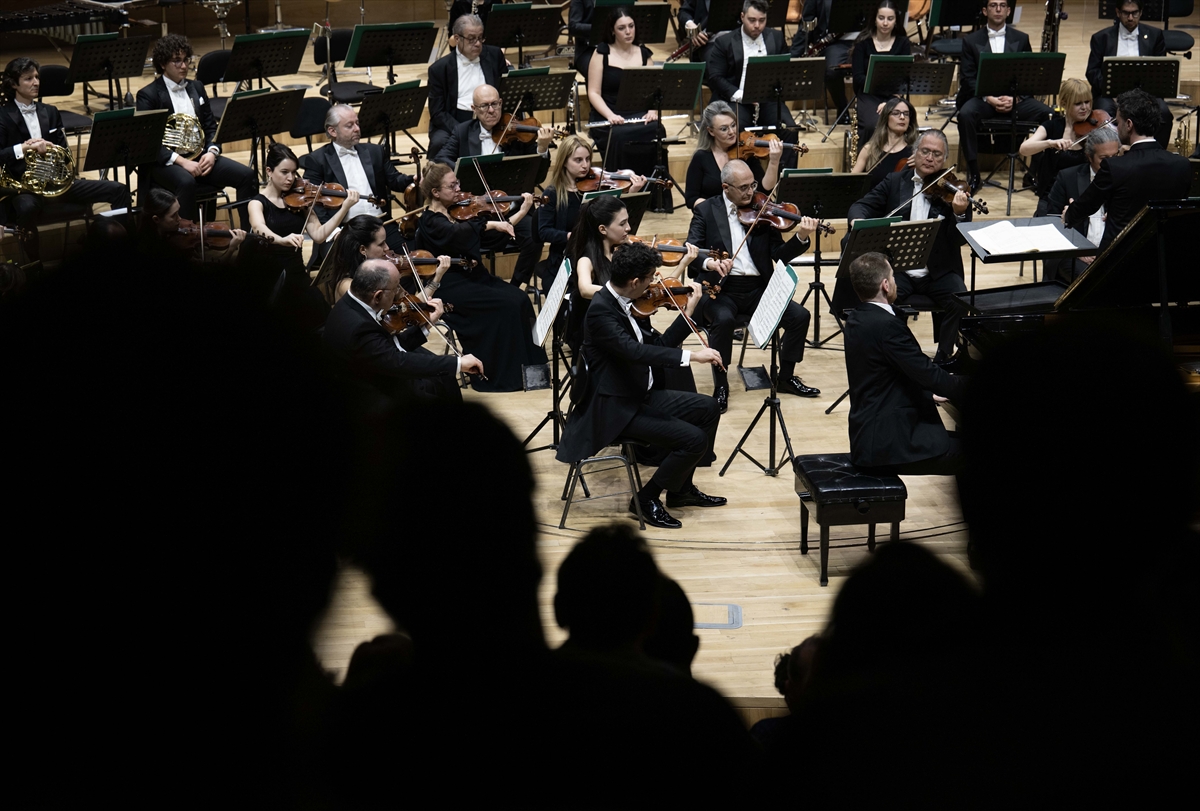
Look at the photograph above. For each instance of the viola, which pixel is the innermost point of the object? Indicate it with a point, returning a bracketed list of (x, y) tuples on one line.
[(414, 260), (331, 195), (781, 216), (523, 130), (946, 186), (749, 144), (467, 206), (659, 296), (603, 180), (409, 311), (673, 252)]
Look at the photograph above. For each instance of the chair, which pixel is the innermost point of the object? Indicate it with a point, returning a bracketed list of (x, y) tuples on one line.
[(311, 120), (942, 50), (211, 71), (1178, 42), (1001, 131), (339, 45), (56, 81)]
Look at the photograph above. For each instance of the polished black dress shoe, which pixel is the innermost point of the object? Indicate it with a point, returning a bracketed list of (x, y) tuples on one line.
[(974, 181), (796, 386), (655, 513), (961, 363), (721, 395), (693, 498)]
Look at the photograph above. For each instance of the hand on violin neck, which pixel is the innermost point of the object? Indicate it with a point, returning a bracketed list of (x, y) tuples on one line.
[(544, 139), (806, 228), (694, 297), (961, 202), (721, 266), (351, 198), (438, 310)]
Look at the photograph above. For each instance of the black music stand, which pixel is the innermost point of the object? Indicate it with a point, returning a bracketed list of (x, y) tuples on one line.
[(650, 19), (1079, 242), (522, 24), (397, 107), (533, 89), (390, 44), (827, 197), (255, 114), (1157, 75), (548, 315), (1152, 10), (515, 175), (907, 246), (1018, 74), (261, 56), (109, 57), (778, 78), (125, 138), (670, 87), (901, 76)]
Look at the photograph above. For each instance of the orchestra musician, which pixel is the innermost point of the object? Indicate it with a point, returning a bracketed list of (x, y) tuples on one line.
[(623, 394), (1055, 139), (173, 91), (814, 27), (454, 77), (579, 26), (995, 37), (744, 277), (160, 233), (718, 134), (28, 125), (901, 191), (890, 147), (1102, 143), (693, 14), (1127, 36), (364, 237), (361, 166), (882, 35)]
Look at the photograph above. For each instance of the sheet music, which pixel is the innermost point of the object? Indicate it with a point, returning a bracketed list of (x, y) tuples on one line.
[(553, 300), (774, 301), (1005, 238)]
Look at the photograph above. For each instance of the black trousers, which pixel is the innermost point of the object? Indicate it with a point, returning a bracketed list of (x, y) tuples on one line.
[(739, 296), (24, 209), (530, 247), (226, 173), (974, 110), (942, 291), (442, 389), (682, 422), (948, 464), (1163, 136)]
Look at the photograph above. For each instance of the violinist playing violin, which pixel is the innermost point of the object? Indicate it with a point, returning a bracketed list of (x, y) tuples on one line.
[(162, 234), (744, 277), (902, 192), (622, 393), (1059, 140)]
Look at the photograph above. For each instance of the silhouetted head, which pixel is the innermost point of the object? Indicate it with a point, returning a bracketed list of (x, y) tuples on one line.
[(673, 639)]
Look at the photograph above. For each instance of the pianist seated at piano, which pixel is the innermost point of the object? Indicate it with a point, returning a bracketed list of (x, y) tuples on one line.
[(29, 127)]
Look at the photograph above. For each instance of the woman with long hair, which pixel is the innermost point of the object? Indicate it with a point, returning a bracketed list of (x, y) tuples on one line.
[(1057, 134), (621, 48), (718, 134), (882, 35), (890, 148)]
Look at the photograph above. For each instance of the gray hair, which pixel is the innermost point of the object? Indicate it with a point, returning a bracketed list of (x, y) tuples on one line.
[(936, 133), (334, 116), (704, 140), (1100, 135), (462, 22), (372, 275), (730, 168)]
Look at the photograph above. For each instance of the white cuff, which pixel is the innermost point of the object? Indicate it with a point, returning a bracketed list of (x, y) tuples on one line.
[(174, 157), (19, 151), (687, 357)]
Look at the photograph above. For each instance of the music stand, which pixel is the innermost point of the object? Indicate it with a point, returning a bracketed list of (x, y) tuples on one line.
[(1157, 75), (650, 19), (1152, 10), (110, 57), (825, 196), (520, 24), (1081, 246), (126, 138), (254, 114), (907, 246), (1018, 74), (261, 56), (391, 44), (515, 175), (547, 322), (778, 78), (536, 89), (397, 107), (670, 87)]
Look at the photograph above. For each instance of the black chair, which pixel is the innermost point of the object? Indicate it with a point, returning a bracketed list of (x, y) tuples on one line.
[(211, 71), (1178, 42), (56, 81), (339, 44), (311, 120)]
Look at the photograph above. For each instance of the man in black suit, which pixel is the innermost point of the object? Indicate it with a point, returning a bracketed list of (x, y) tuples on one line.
[(363, 167), (1146, 172), (173, 91), (995, 37), (1128, 36), (727, 67), (396, 366), (894, 424), (693, 15), (814, 27), (624, 397), (944, 276), (454, 77), (744, 276), (579, 26), (1101, 143), (27, 125)]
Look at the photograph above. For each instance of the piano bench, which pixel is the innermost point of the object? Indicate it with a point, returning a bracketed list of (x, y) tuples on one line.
[(838, 494)]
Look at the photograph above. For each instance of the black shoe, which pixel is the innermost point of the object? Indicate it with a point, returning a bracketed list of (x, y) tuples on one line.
[(721, 395), (796, 386), (974, 181), (961, 363), (739, 334), (693, 498), (654, 513)]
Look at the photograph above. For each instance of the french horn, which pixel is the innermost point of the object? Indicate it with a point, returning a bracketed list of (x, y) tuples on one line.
[(183, 135)]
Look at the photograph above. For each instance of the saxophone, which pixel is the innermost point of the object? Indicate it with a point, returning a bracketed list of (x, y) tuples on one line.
[(852, 154), (46, 175), (183, 135), (1183, 141)]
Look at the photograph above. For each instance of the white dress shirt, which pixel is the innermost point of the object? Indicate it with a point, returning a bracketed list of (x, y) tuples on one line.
[(470, 76), (1095, 230), (996, 39), (29, 113), (626, 304), (487, 146), (1127, 42), (883, 306), (356, 178), (742, 264), (750, 47), (920, 211), (395, 339), (181, 103)]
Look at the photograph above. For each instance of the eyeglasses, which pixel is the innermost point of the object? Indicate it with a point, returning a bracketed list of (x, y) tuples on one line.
[(472, 40), (997, 5), (728, 128), (744, 189), (455, 186), (900, 113), (182, 60), (489, 105), (1137, 12), (931, 153)]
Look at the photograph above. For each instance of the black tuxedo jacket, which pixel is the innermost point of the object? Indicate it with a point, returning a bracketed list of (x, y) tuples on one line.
[(813, 10), (725, 57), (710, 229), (1104, 43), (893, 419), (363, 349), (323, 166), (618, 370), (465, 142), (13, 131), (977, 42), (946, 256), (443, 84), (1069, 184), (155, 96), (1125, 184), (695, 11)]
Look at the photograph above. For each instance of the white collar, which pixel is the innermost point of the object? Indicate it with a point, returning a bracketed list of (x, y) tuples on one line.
[(1127, 35), (484, 133), (1142, 140), (175, 88), (883, 306), (1000, 33), (625, 303), (26, 109), (462, 60), (747, 38), (342, 152), (364, 305)]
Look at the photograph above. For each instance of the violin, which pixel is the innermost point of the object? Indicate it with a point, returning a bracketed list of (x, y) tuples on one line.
[(409, 311), (748, 144), (405, 265), (467, 206), (217, 235), (659, 296), (603, 180), (781, 216), (946, 186), (523, 130), (331, 195), (673, 252), (1097, 119)]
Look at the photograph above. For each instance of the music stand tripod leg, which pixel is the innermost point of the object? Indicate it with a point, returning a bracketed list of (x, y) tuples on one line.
[(771, 404)]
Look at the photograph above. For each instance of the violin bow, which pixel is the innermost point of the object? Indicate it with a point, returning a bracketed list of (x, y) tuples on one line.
[(432, 326), (757, 217), (658, 279), (1079, 141), (924, 186), (488, 190), (417, 276)]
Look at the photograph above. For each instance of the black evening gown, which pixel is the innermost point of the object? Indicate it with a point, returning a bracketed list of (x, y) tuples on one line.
[(885, 167), (493, 319), (263, 264), (1047, 164), (619, 154)]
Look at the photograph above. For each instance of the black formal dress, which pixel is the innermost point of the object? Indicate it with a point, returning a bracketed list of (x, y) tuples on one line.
[(324, 166), (836, 53), (894, 424), (1104, 43), (724, 68), (262, 265), (626, 146), (1124, 185), (554, 223), (860, 59), (224, 173), (972, 109), (493, 319), (444, 114), (1052, 161), (704, 178), (618, 400), (886, 166), (945, 276)]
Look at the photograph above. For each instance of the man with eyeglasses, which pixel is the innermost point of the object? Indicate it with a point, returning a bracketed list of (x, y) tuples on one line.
[(173, 91), (454, 77), (744, 276), (996, 37), (901, 192), (1128, 36)]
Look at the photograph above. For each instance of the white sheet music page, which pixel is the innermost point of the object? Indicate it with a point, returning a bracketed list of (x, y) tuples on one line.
[(550, 304), (774, 301), (1005, 238)]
